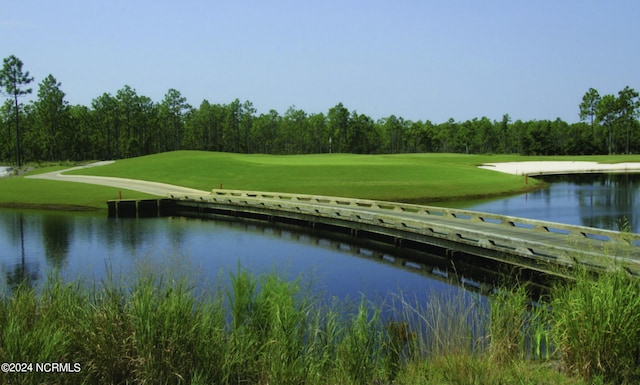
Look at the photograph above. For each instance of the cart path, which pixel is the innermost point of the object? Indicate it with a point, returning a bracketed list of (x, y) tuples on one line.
[(153, 188), (163, 189)]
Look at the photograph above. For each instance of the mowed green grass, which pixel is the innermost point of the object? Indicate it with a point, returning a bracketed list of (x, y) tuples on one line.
[(408, 178), (68, 196), (417, 178)]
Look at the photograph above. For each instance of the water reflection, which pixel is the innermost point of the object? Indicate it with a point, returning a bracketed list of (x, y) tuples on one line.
[(93, 248), (604, 201), (21, 270), (608, 201), (56, 234), (90, 246)]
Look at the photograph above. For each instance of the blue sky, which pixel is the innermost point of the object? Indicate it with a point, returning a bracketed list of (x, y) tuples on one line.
[(419, 60)]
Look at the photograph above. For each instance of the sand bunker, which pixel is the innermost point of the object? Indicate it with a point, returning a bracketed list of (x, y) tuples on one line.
[(565, 167), (5, 171)]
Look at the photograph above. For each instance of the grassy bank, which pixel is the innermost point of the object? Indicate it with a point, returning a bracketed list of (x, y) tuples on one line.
[(268, 330), (406, 177), (20, 192), (415, 178)]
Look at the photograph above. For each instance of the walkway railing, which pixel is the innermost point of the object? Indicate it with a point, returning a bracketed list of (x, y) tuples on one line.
[(541, 240)]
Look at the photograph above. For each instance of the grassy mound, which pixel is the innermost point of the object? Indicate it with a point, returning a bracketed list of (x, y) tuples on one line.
[(413, 178), (408, 178)]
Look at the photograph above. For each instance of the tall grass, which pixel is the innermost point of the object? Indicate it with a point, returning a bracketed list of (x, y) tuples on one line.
[(520, 327), (33, 330), (596, 326), (262, 330)]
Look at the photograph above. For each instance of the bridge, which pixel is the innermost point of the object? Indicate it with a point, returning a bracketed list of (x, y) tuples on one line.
[(539, 246)]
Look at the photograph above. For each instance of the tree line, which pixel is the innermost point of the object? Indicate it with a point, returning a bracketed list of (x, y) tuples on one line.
[(126, 124)]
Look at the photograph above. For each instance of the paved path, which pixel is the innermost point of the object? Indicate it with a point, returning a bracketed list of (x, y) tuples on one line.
[(153, 188), (162, 189)]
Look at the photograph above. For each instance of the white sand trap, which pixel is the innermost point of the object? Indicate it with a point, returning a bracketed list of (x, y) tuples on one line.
[(5, 171), (563, 167)]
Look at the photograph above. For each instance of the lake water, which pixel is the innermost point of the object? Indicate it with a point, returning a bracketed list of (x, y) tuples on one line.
[(92, 247), (604, 201)]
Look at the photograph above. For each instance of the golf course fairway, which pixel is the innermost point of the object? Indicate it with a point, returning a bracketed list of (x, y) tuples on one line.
[(414, 178)]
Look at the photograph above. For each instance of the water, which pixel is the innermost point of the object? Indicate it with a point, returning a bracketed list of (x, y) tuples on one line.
[(605, 201), (92, 248)]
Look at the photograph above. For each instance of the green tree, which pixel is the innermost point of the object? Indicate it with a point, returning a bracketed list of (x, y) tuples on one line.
[(579, 140), (608, 113), (589, 108), (414, 137), (106, 122), (138, 117), (503, 136), (363, 135), (465, 136), (6, 122), (446, 134), (536, 138), (394, 129), (147, 126), (427, 137), (231, 126), (82, 147), (628, 106), (295, 132), (246, 122), (52, 121), (13, 80), (195, 128), (204, 126), (338, 124), (486, 138), (126, 98), (559, 142), (319, 133), (518, 134), (265, 129), (172, 110)]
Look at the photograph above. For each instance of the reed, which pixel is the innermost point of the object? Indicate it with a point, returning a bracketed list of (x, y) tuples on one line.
[(596, 325), (449, 323), (33, 330), (157, 330)]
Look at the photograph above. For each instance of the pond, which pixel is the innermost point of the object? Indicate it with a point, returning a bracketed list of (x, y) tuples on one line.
[(605, 201), (94, 248)]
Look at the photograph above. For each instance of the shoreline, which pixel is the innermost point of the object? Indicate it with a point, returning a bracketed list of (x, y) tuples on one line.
[(68, 208), (534, 168), (524, 168)]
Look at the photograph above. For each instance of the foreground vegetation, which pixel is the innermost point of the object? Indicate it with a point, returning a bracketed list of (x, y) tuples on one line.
[(158, 329)]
